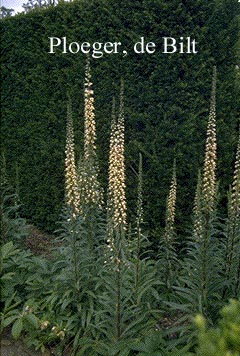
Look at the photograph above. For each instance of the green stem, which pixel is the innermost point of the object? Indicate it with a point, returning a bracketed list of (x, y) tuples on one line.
[(118, 314)]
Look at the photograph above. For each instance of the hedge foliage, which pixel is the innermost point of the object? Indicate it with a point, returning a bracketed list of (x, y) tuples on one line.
[(167, 97)]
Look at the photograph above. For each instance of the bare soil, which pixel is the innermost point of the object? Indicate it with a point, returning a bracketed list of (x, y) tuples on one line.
[(10, 347), (39, 243)]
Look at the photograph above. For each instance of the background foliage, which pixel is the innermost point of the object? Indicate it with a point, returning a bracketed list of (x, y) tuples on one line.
[(166, 104)]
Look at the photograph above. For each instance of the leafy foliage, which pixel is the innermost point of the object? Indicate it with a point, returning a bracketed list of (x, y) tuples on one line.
[(232, 234), (223, 339), (12, 225)]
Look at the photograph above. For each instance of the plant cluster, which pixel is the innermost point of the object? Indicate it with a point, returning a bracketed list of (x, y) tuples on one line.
[(223, 339), (166, 101), (100, 293)]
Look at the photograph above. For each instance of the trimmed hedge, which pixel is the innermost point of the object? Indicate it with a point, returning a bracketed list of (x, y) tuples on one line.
[(166, 97)]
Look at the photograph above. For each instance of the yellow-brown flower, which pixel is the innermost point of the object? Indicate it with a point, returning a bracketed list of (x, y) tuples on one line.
[(89, 187), (234, 210), (171, 205), (209, 169), (71, 189), (116, 183)]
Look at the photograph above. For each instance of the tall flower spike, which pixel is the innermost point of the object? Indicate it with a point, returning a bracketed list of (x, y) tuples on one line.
[(140, 194), (89, 187), (235, 195), (209, 169), (71, 191), (171, 205), (117, 168), (235, 218), (120, 195), (197, 210), (89, 115), (111, 169), (232, 260)]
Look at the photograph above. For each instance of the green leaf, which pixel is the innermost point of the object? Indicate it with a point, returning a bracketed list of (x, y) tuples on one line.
[(33, 320), (66, 303), (8, 304), (7, 276), (17, 328), (8, 250), (138, 346), (9, 320)]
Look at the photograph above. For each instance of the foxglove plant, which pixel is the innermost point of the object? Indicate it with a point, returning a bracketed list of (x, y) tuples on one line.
[(128, 281), (171, 207), (169, 234), (199, 284), (90, 190), (115, 273), (197, 211), (232, 246), (210, 161), (205, 198), (167, 263), (88, 171), (71, 192), (142, 270), (116, 189)]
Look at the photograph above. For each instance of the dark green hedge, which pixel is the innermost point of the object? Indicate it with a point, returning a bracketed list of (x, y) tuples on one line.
[(166, 104)]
